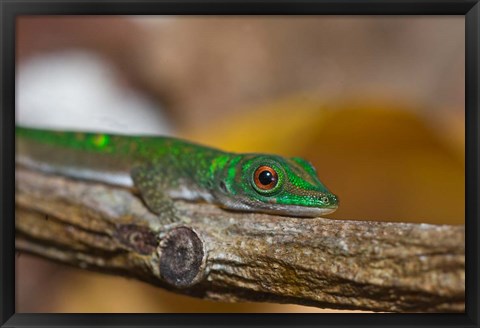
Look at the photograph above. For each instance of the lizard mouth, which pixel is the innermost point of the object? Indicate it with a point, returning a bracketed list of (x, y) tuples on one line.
[(244, 204), (299, 211), (289, 210)]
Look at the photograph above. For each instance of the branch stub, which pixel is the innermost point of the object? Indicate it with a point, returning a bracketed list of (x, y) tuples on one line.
[(181, 257)]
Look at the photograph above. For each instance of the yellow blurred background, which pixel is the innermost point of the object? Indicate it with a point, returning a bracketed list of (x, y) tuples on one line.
[(375, 103)]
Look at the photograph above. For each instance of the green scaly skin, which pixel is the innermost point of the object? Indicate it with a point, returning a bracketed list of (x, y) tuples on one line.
[(164, 168)]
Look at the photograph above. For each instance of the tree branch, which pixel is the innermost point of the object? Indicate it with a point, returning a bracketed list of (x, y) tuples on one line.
[(215, 254)]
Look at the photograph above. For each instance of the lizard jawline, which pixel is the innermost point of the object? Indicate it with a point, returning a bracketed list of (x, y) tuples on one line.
[(247, 205)]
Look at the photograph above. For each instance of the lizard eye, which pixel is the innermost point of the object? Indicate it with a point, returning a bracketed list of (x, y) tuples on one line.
[(265, 177)]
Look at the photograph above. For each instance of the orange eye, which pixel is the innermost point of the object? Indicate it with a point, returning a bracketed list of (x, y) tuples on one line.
[(265, 177)]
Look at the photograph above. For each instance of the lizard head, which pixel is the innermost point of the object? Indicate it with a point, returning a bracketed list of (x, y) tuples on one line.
[(276, 185)]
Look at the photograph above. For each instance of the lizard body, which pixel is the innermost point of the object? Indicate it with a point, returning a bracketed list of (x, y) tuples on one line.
[(164, 168)]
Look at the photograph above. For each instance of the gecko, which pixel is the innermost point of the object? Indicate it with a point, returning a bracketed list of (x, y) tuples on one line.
[(163, 169)]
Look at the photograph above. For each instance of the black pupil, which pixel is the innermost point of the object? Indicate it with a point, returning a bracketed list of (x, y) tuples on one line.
[(266, 178)]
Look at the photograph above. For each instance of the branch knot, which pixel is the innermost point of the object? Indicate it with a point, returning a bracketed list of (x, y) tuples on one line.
[(181, 257)]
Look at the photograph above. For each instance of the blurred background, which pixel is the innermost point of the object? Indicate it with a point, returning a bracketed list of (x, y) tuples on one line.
[(376, 103)]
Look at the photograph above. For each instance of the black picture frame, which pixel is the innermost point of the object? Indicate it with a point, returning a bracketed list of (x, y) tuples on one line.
[(10, 9)]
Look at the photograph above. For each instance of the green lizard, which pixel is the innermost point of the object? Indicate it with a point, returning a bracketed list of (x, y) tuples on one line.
[(164, 168)]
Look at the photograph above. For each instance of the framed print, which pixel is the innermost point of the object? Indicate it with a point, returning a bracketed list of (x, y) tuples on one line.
[(244, 163)]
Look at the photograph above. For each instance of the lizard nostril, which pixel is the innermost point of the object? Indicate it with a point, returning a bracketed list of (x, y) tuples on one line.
[(325, 200), (223, 186)]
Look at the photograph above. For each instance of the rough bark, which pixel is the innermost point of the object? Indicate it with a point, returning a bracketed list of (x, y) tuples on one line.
[(216, 254)]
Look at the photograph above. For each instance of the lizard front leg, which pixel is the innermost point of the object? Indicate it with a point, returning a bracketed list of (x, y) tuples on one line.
[(153, 182)]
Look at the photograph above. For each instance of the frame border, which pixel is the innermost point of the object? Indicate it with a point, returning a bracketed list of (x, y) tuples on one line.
[(9, 9)]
